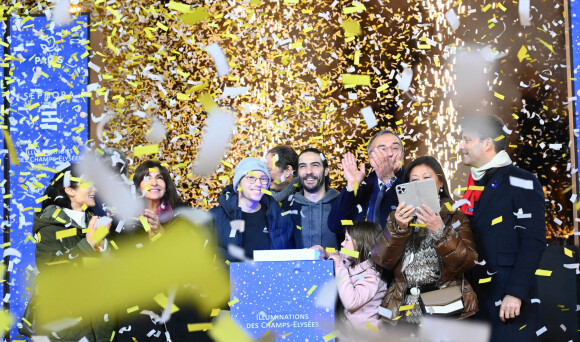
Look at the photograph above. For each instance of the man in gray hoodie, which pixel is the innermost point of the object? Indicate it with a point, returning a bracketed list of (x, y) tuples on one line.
[(309, 208)]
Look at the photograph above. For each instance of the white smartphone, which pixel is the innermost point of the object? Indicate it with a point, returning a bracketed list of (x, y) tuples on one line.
[(419, 193)]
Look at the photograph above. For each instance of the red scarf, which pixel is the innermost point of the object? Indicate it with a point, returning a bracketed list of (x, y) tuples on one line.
[(471, 195)]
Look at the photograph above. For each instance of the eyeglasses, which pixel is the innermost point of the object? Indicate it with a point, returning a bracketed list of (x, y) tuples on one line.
[(251, 179)]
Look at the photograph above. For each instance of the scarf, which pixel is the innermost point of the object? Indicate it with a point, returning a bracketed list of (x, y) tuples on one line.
[(165, 212), (474, 192)]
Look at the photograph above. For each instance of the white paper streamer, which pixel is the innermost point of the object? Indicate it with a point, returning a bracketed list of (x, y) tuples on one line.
[(219, 58), (521, 183), (524, 12), (11, 252), (404, 80), (520, 214), (234, 91), (369, 116), (490, 55), (110, 187), (326, 296), (541, 331), (452, 19), (157, 132), (460, 203), (218, 132), (61, 14)]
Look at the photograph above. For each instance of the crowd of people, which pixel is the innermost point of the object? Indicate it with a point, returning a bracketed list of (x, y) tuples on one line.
[(484, 248)]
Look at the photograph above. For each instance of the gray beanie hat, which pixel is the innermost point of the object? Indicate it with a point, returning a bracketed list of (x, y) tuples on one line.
[(246, 165)]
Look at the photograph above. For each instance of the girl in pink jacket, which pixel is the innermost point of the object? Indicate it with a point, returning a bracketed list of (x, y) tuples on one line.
[(360, 287)]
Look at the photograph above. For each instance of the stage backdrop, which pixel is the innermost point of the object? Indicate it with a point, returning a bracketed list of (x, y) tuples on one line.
[(48, 123)]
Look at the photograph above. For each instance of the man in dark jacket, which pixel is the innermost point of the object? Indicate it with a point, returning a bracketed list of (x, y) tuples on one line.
[(263, 225), (371, 198), (309, 208), (507, 213), (282, 163)]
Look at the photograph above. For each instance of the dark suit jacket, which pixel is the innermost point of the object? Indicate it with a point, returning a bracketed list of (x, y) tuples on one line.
[(512, 243), (346, 206)]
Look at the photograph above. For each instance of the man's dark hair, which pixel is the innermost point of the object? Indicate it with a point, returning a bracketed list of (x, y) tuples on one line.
[(486, 126), (324, 163), (286, 156)]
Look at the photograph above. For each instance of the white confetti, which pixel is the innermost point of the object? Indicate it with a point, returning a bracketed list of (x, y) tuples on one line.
[(326, 296), (558, 221), (404, 80), (11, 252), (535, 300), (573, 198), (157, 132), (556, 147), (112, 189), (218, 132), (541, 331), (460, 203), (524, 12), (452, 19), (61, 14), (521, 183), (506, 130), (95, 67), (520, 214), (480, 263), (455, 224), (563, 327), (234, 91), (37, 74), (237, 252), (385, 312), (238, 225), (498, 303), (219, 58), (490, 54), (369, 116), (120, 225)]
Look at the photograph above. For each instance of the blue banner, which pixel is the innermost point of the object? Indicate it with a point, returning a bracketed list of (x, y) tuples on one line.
[(575, 57), (280, 296), (48, 125)]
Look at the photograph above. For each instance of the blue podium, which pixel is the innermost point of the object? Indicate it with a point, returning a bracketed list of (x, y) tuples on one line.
[(280, 297)]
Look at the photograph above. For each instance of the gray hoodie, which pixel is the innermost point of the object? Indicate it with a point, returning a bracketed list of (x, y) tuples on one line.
[(312, 218)]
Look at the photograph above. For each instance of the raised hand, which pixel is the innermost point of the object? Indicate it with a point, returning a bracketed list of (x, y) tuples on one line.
[(428, 217), (153, 221), (385, 165), (403, 215), (352, 174)]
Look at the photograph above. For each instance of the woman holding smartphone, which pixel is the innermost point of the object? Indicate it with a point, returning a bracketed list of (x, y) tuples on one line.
[(427, 252)]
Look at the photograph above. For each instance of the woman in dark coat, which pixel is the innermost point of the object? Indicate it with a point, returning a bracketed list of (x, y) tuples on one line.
[(153, 182), (68, 206), (427, 252)]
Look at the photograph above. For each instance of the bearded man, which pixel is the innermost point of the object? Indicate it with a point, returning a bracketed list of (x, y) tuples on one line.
[(309, 208)]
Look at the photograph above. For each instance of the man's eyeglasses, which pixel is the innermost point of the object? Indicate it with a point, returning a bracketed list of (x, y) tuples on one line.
[(251, 179)]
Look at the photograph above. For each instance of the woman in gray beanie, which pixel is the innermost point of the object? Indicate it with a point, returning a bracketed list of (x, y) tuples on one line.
[(248, 199)]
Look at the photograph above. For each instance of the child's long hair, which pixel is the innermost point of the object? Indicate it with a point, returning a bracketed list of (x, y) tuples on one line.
[(364, 235)]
